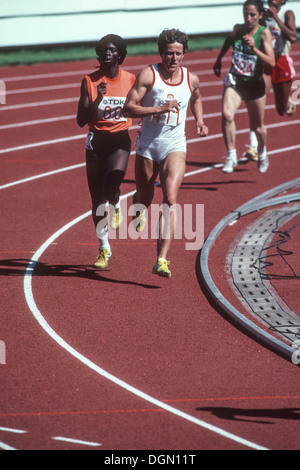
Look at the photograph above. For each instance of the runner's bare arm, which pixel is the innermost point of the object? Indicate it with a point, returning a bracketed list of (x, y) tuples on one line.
[(196, 106), (288, 27), (267, 55), (133, 107), (86, 108), (227, 44)]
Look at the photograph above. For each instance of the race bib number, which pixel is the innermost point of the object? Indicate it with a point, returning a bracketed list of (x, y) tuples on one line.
[(111, 109), (244, 64), (169, 119), (277, 42)]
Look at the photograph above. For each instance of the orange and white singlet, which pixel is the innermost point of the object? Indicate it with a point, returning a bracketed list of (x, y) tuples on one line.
[(166, 125), (110, 115)]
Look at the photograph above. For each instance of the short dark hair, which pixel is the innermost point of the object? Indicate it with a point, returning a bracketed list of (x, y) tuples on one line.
[(169, 36), (116, 41)]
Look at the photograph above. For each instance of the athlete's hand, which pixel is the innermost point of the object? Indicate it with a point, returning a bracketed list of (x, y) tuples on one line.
[(202, 130), (102, 88), (170, 106), (249, 40), (218, 67), (272, 12)]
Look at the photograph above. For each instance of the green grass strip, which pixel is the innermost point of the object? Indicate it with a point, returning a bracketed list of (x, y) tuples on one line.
[(28, 56), (47, 54)]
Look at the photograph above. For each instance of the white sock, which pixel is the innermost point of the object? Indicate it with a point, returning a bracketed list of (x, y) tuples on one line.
[(103, 238), (253, 140), (232, 154)]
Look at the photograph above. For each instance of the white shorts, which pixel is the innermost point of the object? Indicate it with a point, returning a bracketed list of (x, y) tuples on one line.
[(158, 149)]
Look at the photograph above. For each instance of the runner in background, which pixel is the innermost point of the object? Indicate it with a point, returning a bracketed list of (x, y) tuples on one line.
[(160, 97), (108, 145), (281, 22), (252, 49)]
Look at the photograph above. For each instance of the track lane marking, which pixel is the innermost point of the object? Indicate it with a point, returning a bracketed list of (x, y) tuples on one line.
[(49, 330), (88, 363), (81, 136), (83, 72), (77, 441), (15, 431), (177, 410), (4, 446), (81, 165), (73, 117)]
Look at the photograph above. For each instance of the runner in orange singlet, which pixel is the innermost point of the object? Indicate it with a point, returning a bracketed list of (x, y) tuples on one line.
[(108, 145)]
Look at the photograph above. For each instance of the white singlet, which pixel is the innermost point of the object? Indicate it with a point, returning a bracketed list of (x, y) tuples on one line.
[(164, 133), (281, 45)]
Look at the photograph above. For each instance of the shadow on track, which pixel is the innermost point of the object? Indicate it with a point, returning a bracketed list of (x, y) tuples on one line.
[(18, 267), (241, 414)]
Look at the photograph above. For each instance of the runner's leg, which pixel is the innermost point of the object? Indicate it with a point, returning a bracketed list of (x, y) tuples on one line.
[(231, 103), (282, 93), (171, 173), (146, 172), (256, 112)]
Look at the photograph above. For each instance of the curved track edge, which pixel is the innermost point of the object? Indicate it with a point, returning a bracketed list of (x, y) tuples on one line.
[(205, 278)]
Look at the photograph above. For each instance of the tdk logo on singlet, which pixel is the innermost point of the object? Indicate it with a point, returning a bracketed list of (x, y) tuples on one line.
[(114, 101)]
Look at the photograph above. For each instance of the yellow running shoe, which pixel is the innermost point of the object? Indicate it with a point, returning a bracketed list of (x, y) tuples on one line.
[(291, 107), (116, 218), (140, 221), (161, 268), (102, 259), (251, 154)]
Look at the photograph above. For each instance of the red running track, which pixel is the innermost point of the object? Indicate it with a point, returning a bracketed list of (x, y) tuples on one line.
[(120, 359)]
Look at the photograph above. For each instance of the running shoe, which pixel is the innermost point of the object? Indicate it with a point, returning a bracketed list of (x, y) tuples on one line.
[(102, 259), (140, 221), (291, 107), (251, 154), (116, 218), (161, 268), (263, 164), (230, 165)]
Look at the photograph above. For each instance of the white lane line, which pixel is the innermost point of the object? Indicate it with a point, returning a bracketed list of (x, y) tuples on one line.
[(88, 363), (39, 89), (4, 446), (81, 136), (77, 441), (70, 100), (38, 103), (81, 165), (43, 88), (42, 175), (82, 72), (16, 431), (45, 142), (63, 86), (16, 125)]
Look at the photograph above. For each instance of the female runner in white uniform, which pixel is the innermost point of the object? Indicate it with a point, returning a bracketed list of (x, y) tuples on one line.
[(161, 96)]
